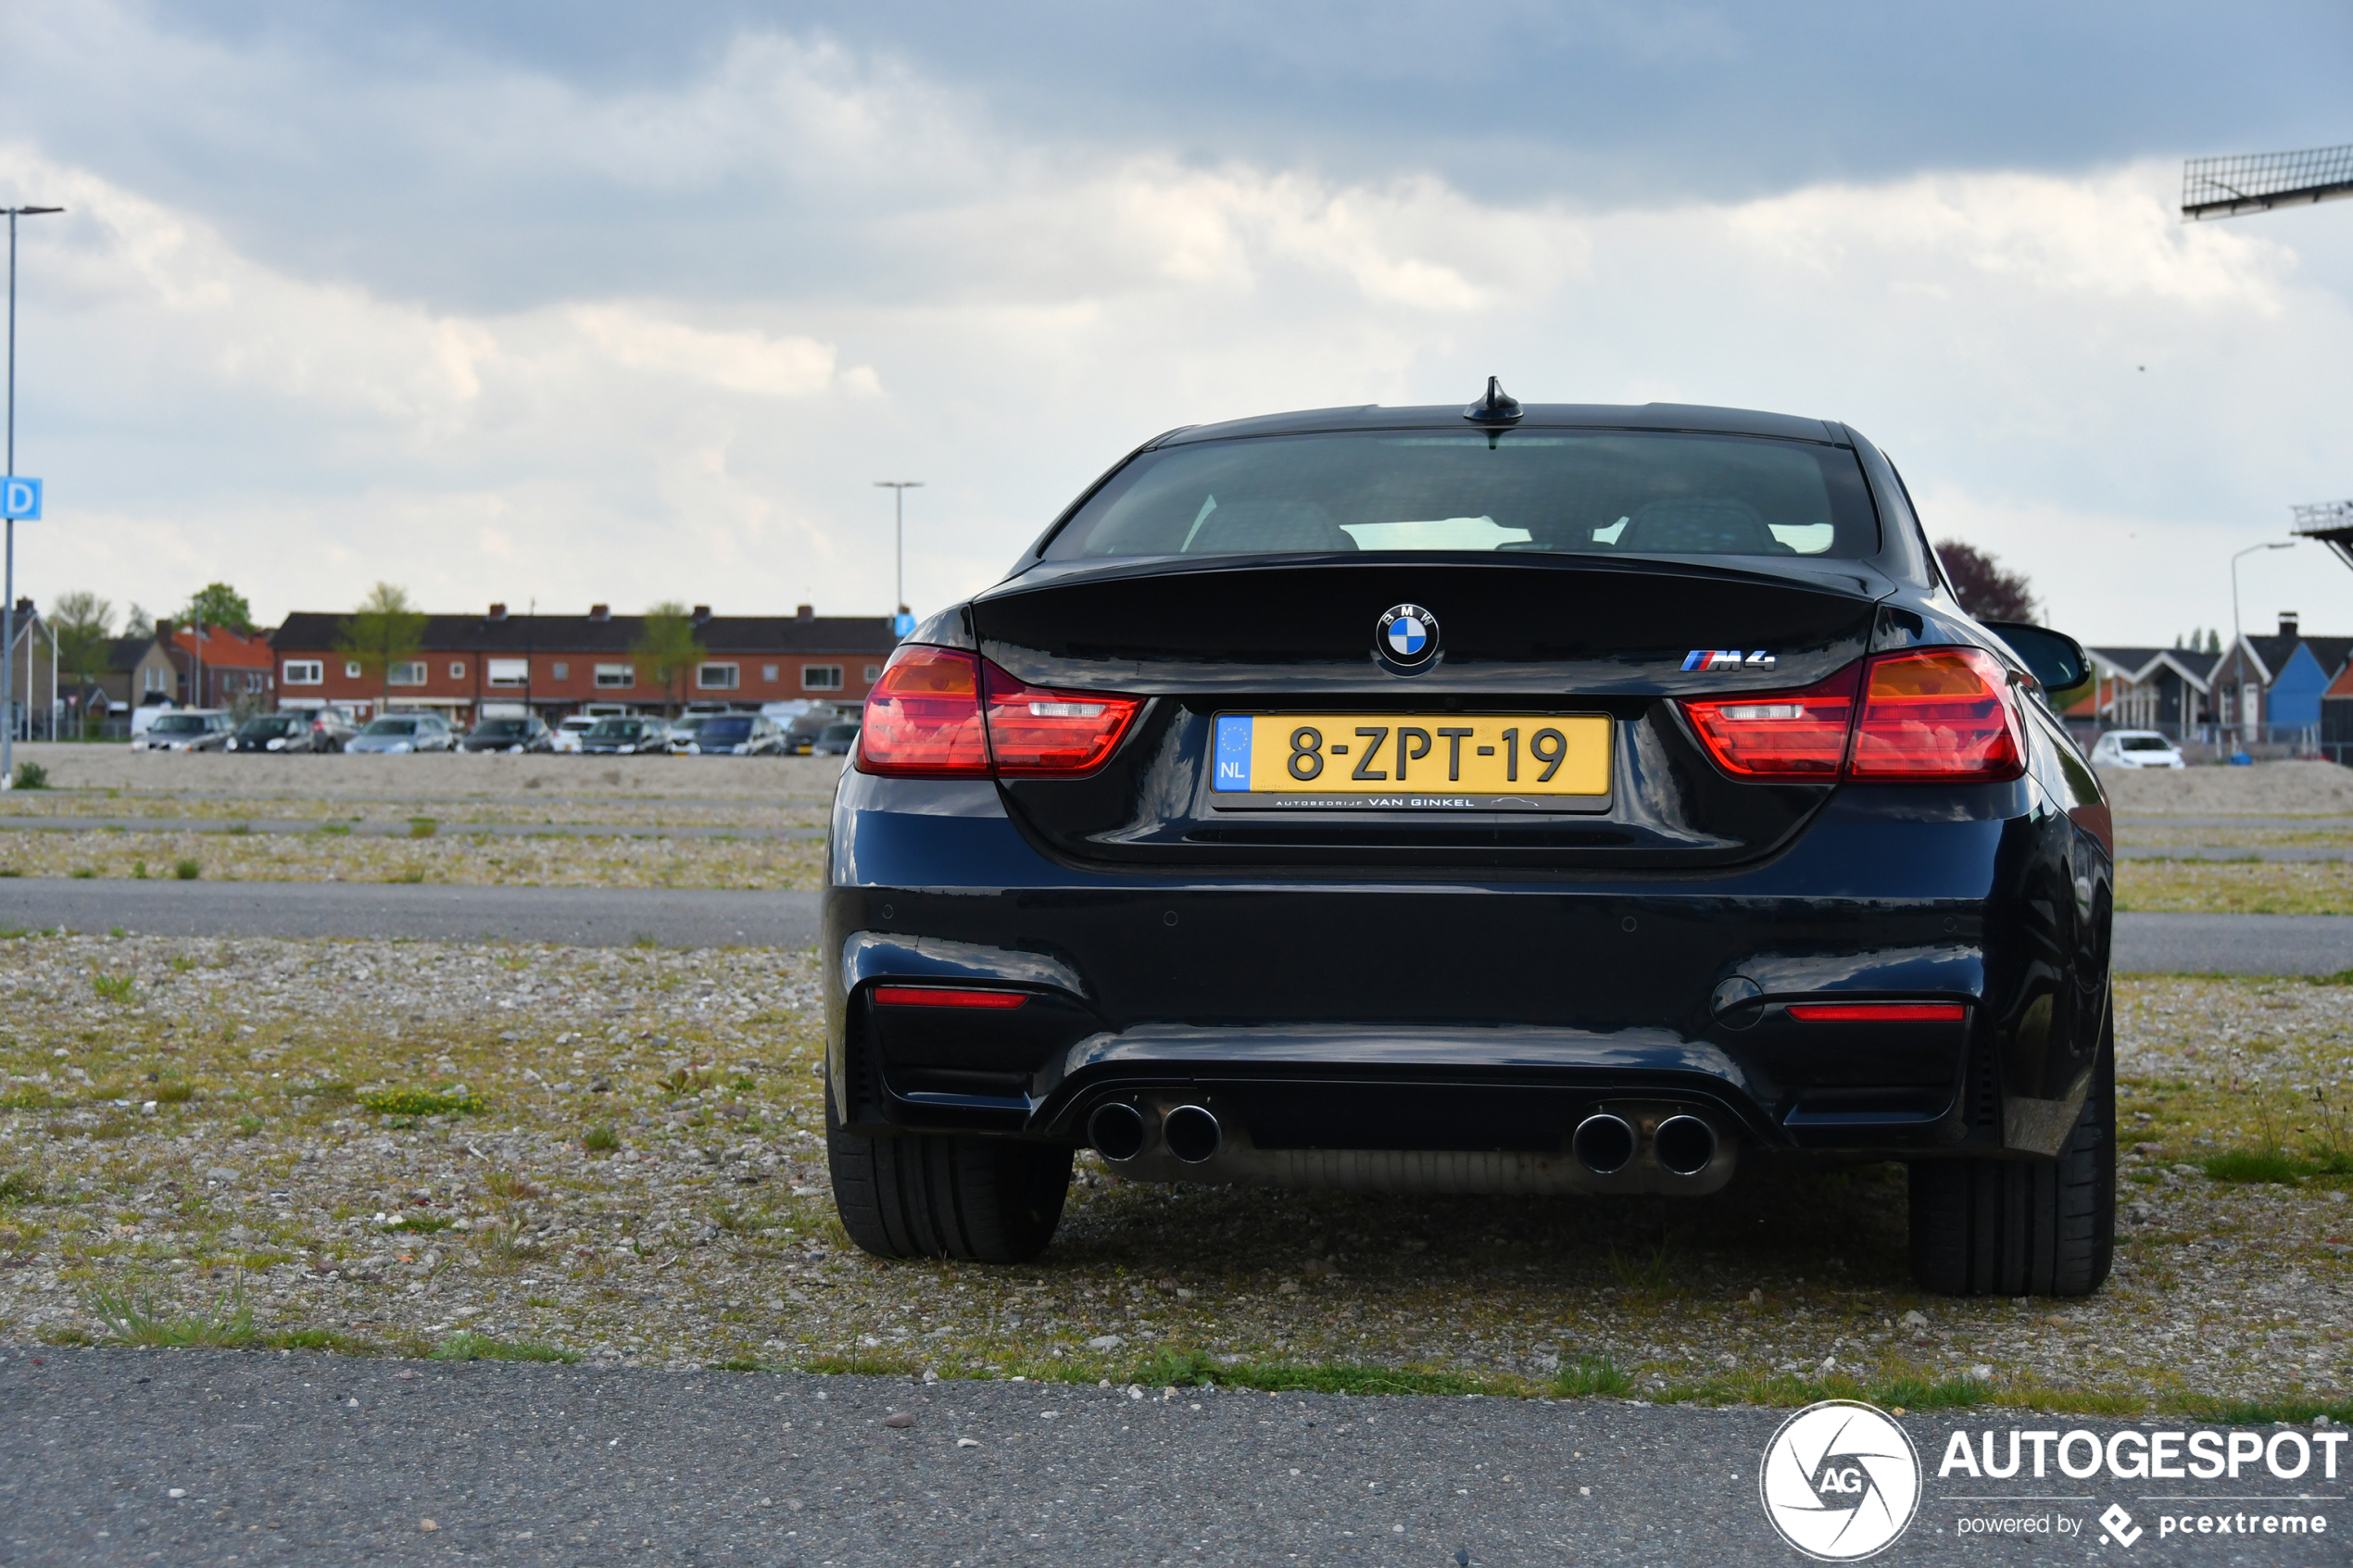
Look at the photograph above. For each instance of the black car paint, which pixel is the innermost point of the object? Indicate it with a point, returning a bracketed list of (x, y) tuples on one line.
[(1403, 983)]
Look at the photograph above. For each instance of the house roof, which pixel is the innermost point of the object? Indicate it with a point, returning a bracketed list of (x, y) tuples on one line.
[(225, 650), (2142, 664), (309, 631), (124, 653)]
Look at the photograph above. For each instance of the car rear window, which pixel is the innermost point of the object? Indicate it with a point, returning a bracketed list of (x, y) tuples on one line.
[(728, 730), (180, 724), (1618, 493), (393, 727)]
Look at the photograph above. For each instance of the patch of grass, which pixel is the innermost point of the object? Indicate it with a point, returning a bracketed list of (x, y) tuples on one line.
[(26, 1096), (240, 829), (682, 1081), (32, 775), (117, 932), (419, 1224), (111, 987), (860, 1366), (18, 1186), (223, 1324), (83, 873), (2255, 1165), (471, 1346), (600, 1139), (645, 939), (423, 1102), (2255, 1412), (738, 1363), (1189, 1370), (248, 1125), (414, 873), (338, 829), (139, 871), (1590, 1377), (507, 1186), (422, 827), (188, 869), (333, 1092), (320, 1339), (172, 1091)]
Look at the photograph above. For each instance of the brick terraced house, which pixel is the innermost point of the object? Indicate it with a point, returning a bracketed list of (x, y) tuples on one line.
[(564, 664)]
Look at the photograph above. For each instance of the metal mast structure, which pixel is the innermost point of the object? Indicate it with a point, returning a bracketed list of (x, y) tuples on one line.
[(9, 615), (2227, 187)]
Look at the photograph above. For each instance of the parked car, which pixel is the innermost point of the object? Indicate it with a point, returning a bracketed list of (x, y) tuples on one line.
[(837, 740), (623, 736), (404, 733), (334, 728), (680, 740), (2136, 748), (187, 729), (800, 738), (1707, 830), (704, 708), (527, 734), (734, 734), (566, 736), (277, 732)]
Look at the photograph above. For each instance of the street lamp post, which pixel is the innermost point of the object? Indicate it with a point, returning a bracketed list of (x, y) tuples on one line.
[(9, 615), (2239, 708), (898, 488)]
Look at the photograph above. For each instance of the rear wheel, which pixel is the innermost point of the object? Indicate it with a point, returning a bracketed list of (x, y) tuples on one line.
[(2002, 1227), (938, 1195)]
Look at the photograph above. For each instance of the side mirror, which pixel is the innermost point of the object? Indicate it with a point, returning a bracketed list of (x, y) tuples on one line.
[(2058, 659)]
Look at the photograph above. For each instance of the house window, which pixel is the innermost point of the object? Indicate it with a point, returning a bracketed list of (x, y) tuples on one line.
[(255, 680), (562, 670), (715, 677), (768, 673), (509, 671), (305, 671), (351, 670), (616, 674), (874, 673), (457, 670), (155, 680), (820, 677), (409, 675)]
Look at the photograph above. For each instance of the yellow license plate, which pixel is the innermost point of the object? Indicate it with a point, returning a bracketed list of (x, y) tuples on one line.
[(1488, 761)]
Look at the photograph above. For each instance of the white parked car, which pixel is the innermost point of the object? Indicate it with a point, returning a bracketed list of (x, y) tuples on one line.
[(568, 730), (2136, 748)]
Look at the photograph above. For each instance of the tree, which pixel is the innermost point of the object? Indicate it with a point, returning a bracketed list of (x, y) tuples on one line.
[(138, 622), (1986, 590), (385, 630), (220, 605), (666, 651), (84, 626)]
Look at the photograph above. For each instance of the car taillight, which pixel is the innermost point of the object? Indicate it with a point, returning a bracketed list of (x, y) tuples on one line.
[(946, 997), (925, 718), (1937, 713), (1782, 735), (1927, 715), (1876, 1012), (922, 717), (1035, 730)]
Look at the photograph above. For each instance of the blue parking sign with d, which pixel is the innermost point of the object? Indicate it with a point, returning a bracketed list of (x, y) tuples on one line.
[(20, 499)]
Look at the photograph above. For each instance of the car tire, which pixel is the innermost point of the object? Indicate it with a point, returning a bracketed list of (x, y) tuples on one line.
[(2009, 1227), (939, 1195)]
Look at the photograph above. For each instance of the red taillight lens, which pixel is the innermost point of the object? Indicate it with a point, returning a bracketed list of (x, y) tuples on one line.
[(1035, 730), (922, 717), (1786, 734), (1937, 713), (944, 996), (925, 718), (1876, 1013)]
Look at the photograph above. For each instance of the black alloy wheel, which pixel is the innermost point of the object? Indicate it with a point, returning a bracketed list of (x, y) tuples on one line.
[(945, 1195)]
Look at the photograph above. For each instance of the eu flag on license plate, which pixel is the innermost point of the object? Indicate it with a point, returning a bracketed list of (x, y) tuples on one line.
[(1232, 761)]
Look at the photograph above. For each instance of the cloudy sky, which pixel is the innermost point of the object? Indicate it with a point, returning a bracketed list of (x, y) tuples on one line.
[(591, 301)]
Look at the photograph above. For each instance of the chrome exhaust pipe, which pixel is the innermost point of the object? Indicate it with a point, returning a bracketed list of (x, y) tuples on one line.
[(1684, 1143), (1603, 1144), (1116, 1130), (1191, 1133)]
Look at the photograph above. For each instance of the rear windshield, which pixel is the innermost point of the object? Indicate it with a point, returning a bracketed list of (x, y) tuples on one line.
[(728, 730), (265, 728), (839, 732), (1546, 491), (180, 724), (612, 729), (503, 727), (2145, 743)]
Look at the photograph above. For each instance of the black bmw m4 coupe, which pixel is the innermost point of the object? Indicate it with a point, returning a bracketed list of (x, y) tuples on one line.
[(1545, 799)]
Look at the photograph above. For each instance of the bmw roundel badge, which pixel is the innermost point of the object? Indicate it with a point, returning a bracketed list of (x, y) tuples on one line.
[(1406, 638)]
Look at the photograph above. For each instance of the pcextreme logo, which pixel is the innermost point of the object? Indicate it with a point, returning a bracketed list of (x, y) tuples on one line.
[(1841, 1481)]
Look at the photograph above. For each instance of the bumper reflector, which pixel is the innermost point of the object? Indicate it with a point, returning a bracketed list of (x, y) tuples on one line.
[(943, 997), (1876, 1012)]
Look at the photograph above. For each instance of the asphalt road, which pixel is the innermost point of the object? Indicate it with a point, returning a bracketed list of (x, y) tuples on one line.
[(588, 917), (606, 917), (314, 1459)]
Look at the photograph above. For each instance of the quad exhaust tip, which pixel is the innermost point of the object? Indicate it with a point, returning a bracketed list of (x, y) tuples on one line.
[(1603, 1144), (1684, 1144), (1116, 1130), (1191, 1133)]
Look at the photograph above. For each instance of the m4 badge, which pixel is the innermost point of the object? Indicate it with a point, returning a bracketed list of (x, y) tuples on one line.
[(1726, 658)]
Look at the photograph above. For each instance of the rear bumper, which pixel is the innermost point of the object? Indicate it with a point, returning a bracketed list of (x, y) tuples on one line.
[(1442, 1015)]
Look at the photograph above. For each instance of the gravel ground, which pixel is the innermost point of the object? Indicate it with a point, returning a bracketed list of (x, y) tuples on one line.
[(179, 775), (2284, 789), (187, 1138)]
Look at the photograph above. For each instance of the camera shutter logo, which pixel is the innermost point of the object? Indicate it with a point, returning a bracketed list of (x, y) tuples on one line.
[(1841, 1481)]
